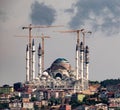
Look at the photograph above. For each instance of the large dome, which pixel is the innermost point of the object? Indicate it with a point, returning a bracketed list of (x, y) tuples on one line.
[(61, 63), (60, 69), (59, 60)]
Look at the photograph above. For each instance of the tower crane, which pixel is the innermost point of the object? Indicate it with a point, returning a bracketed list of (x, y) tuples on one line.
[(79, 55), (43, 40), (83, 31), (43, 37), (30, 27), (74, 31), (77, 46)]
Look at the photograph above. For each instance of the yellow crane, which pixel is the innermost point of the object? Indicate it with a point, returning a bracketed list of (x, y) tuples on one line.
[(43, 37), (30, 27), (43, 40), (74, 31), (78, 34), (85, 32)]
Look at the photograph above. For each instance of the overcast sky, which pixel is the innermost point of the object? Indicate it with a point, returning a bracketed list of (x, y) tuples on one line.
[(102, 17)]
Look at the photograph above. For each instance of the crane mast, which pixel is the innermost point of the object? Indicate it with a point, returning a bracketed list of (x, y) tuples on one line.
[(30, 27), (43, 37), (30, 50), (79, 60)]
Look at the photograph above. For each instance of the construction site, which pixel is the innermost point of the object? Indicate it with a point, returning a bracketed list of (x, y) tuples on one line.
[(60, 79)]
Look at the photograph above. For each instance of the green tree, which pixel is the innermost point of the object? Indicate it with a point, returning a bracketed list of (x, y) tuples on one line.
[(36, 107), (52, 101), (4, 105), (33, 99), (110, 82), (55, 101), (94, 82), (75, 103), (104, 100)]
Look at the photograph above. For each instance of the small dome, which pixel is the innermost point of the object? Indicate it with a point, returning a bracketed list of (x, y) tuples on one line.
[(45, 73), (43, 78)]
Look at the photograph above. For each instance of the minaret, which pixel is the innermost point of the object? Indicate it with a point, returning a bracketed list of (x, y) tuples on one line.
[(77, 61), (33, 60), (86, 66), (81, 64), (39, 60), (27, 64)]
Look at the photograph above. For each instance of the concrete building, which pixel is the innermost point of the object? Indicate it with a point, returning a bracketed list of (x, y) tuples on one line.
[(6, 89)]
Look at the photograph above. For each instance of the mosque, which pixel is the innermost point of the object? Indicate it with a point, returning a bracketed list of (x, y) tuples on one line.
[(60, 75)]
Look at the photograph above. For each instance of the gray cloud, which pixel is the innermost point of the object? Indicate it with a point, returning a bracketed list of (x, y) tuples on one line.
[(101, 14), (71, 10), (42, 14)]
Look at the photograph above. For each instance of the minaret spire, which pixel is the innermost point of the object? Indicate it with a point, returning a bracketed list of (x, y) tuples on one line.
[(81, 64), (39, 60), (86, 66), (77, 61), (33, 60), (27, 64)]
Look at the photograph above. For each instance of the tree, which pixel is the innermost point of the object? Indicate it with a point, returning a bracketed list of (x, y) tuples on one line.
[(93, 82), (52, 101), (75, 103), (4, 105), (33, 99), (55, 101), (110, 82)]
